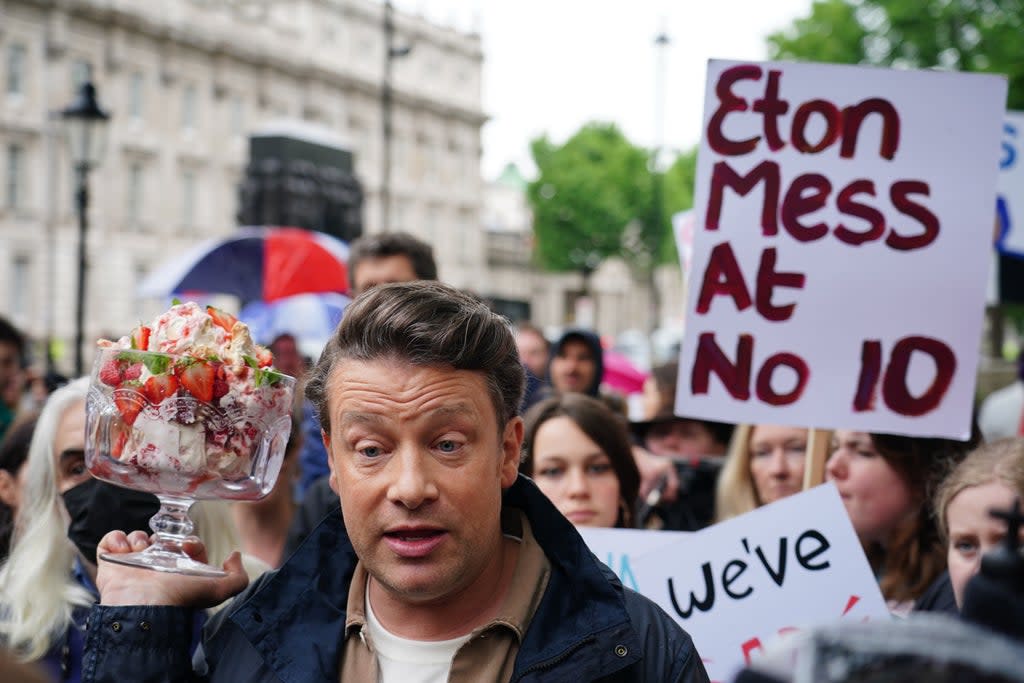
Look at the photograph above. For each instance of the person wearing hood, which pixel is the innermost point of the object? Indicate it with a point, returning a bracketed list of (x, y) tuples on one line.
[(577, 363)]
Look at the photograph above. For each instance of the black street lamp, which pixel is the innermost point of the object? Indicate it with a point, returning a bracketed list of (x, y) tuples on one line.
[(85, 129), (391, 52)]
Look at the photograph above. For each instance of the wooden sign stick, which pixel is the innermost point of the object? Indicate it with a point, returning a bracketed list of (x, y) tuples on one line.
[(818, 443)]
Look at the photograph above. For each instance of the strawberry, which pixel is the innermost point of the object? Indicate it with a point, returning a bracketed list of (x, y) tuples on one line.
[(120, 438), (264, 357), (197, 378), (140, 338), (221, 319), (133, 371), (159, 387), (220, 382), (110, 373), (129, 401), (117, 371)]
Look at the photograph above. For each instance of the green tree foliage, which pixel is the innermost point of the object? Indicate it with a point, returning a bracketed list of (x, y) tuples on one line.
[(963, 35), (594, 198)]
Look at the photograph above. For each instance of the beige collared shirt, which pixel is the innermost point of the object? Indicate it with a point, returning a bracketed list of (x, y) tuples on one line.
[(490, 653)]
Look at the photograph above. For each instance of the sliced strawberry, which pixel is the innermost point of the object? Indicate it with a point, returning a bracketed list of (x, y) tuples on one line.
[(264, 357), (140, 338), (129, 401), (159, 387), (221, 319), (118, 442), (197, 378)]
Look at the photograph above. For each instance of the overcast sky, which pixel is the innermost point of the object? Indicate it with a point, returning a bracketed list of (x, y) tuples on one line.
[(552, 65)]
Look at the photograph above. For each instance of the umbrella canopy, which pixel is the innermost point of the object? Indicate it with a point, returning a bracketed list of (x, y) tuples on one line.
[(621, 374), (310, 318), (255, 263)]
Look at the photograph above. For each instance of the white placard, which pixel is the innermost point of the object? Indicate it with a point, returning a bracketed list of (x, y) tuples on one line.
[(738, 585), (844, 221)]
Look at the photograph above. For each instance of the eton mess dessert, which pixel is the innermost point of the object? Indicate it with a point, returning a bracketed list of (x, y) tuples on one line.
[(197, 399)]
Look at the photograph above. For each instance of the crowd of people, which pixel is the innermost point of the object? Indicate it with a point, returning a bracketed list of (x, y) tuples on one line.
[(421, 527)]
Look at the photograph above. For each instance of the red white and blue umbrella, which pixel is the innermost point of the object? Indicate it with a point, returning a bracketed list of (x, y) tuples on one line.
[(255, 264), (310, 318)]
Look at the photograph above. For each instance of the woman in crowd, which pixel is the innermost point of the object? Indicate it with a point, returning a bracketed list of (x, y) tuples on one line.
[(579, 453), (887, 483), (48, 583), (765, 464), (990, 477), (13, 453)]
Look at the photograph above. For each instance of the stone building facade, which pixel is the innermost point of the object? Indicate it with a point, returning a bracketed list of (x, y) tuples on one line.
[(186, 82)]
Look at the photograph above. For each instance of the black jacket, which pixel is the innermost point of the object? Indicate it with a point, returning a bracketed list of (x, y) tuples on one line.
[(289, 625)]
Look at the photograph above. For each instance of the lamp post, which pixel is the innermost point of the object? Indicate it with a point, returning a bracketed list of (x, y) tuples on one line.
[(391, 52), (85, 129)]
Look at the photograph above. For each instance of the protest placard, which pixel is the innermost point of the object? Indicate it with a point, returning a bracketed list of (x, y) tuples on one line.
[(737, 585), (844, 230), (1010, 202)]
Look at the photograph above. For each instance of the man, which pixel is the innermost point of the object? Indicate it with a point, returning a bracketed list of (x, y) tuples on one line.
[(577, 363), (12, 353), (389, 257), (533, 347), (373, 260), (287, 357), (442, 561), (534, 350)]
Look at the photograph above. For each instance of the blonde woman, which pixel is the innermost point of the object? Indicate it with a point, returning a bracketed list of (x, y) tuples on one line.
[(765, 463), (990, 477), (47, 584)]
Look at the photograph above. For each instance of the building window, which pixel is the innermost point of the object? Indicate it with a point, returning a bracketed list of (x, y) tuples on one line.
[(81, 71), (188, 198), (135, 96), (133, 207), (16, 69), (20, 286), (188, 107), (15, 181)]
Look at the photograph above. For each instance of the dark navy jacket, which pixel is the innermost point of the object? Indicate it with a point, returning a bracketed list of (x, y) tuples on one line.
[(290, 624)]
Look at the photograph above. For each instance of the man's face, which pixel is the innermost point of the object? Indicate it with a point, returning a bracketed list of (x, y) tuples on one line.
[(10, 370), (381, 271), (533, 351), (573, 368), (417, 459), (286, 356)]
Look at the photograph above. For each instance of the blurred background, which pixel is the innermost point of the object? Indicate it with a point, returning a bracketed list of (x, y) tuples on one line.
[(542, 148)]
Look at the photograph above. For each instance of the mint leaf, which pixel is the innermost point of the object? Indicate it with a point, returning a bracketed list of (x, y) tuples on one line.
[(251, 362), (269, 377), (156, 364), (175, 301)]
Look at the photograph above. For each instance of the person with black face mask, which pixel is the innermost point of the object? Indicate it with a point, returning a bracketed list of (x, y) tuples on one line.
[(95, 507), (47, 584)]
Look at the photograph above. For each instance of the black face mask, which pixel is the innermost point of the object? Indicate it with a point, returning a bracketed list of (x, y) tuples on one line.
[(96, 507)]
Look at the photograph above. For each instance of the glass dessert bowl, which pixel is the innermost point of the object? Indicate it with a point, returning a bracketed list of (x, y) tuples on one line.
[(184, 428)]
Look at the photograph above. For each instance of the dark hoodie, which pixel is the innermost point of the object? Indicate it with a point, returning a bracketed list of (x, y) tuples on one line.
[(592, 341)]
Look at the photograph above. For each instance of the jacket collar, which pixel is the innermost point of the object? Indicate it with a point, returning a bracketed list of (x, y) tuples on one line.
[(296, 617)]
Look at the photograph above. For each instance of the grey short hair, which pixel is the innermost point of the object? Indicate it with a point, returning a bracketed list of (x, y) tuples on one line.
[(426, 324)]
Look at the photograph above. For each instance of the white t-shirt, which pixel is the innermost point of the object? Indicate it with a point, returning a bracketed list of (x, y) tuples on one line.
[(401, 660)]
